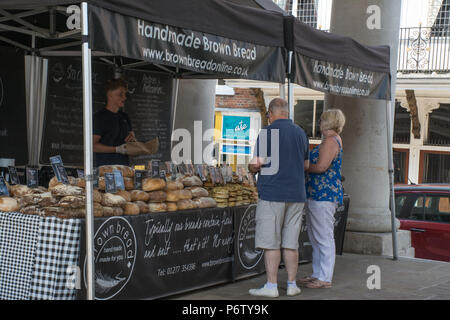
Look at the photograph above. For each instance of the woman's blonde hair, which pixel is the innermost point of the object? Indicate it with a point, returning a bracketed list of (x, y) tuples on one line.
[(332, 119)]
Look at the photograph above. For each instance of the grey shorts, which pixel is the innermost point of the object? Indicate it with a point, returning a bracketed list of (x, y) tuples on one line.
[(278, 224)]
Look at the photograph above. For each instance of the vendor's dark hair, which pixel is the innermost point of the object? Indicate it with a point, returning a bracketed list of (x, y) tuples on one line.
[(113, 84)]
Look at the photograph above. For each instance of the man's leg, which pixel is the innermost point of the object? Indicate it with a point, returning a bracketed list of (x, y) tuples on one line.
[(290, 258), (272, 260)]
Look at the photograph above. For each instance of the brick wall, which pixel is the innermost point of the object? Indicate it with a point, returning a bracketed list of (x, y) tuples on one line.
[(243, 98)]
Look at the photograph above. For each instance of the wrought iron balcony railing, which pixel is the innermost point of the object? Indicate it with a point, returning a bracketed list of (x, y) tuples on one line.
[(424, 50)]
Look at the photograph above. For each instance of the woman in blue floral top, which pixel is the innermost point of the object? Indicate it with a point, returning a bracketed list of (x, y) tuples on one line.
[(324, 193)]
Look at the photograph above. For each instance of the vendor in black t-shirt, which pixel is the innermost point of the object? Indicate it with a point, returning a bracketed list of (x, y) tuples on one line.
[(112, 127)]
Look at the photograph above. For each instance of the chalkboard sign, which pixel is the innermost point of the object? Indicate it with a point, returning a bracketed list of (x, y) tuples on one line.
[(63, 125), (149, 102), (13, 110)]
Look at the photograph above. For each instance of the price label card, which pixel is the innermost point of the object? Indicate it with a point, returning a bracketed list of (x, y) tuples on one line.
[(59, 170), (162, 175), (155, 169), (13, 175), (199, 172), (138, 177), (118, 180), (95, 174), (110, 183), (212, 174), (80, 173), (3, 188), (219, 178), (32, 177)]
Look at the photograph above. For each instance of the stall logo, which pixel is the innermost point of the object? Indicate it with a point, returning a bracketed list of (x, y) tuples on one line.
[(114, 255), (248, 255)]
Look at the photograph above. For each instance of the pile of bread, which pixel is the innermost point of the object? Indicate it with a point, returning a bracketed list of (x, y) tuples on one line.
[(68, 200), (232, 195)]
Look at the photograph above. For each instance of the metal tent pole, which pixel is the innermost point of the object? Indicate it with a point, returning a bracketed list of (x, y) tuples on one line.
[(290, 89), (391, 179), (88, 154)]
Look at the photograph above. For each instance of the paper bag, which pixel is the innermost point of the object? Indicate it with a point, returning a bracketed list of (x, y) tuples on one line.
[(143, 148)]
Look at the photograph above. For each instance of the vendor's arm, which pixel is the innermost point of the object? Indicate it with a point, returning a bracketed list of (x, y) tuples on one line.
[(131, 137), (306, 165), (327, 152), (101, 148)]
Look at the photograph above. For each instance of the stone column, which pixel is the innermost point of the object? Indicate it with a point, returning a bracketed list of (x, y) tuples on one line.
[(365, 163), (196, 102)]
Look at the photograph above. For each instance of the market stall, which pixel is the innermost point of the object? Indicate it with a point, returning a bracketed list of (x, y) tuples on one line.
[(153, 36)]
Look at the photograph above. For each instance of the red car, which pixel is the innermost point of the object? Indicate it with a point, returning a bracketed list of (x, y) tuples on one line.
[(425, 211)]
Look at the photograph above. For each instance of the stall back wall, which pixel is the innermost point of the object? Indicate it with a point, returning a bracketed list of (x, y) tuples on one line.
[(13, 110)]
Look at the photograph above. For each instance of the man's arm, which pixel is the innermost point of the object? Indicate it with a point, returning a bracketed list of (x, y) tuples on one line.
[(255, 164), (101, 148)]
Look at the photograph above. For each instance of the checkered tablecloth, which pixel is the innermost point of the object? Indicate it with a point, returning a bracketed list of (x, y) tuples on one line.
[(18, 239), (37, 256)]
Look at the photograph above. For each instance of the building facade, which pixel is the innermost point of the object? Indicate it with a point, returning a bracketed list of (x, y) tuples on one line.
[(421, 134)]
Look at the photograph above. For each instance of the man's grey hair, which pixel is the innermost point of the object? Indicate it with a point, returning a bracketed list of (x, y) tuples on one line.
[(279, 106)]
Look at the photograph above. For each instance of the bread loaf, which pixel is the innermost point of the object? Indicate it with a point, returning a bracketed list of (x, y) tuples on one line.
[(186, 205), (171, 206), (97, 196), (63, 190), (54, 182), (172, 196), (98, 210), (129, 183), (43, 199), (124, 194), (157, 196), (143, 207), (112, 211), (8, 204), (185, 194), (192, 181), (51, 211), (153, 184), (81, 183), (20, 190), (198, 192), (173, 185), (126, 171), (205, 202), (157, 207), (33, 210), (131, 209), (72, 202), (138, 195), (101, 184), (112, 200)]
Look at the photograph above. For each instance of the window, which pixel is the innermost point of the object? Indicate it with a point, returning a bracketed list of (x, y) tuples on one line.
[(307, 115), (439, 126), (436, 167), (441, 26), (307, 12), (437, 208), (402, 124), (400, 166)]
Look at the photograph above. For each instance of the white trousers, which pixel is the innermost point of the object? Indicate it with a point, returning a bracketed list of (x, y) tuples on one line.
[(320, 225)]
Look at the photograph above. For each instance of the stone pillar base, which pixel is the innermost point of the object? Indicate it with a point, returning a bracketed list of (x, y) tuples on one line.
[(378, 243)]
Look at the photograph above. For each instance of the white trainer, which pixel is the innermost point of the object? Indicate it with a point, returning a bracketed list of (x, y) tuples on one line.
[(293, 291), (264, 292)]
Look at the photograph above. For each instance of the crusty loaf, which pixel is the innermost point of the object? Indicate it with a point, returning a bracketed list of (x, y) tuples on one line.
[(157, 207), (205, 202), (72, 202), (186, 205), (171, 206), (129, 183), (184, 194), (172, 196), (63, 190), (126, 171), (173, 185), (198, 192), (138, 195), (97, 196), (143, 207), (192, 181), (20, 190), (124, 194), (43, 199), (8, 204), (131, 209), (153, 184), (112, 200), (157, 196), (112, 211)]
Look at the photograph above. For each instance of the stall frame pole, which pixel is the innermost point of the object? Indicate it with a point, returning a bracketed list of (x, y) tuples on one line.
[(391, 179), (88, 153), (290, 88)]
